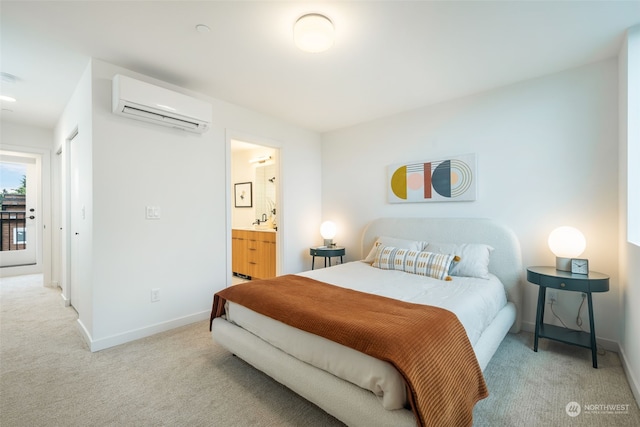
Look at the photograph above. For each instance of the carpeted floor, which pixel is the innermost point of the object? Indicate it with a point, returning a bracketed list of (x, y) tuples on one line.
[(181, 377)]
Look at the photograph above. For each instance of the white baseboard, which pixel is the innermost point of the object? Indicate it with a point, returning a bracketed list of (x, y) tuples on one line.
[(65, 301), (528, 326), (21, 270), (111, 341), (631, 378), (85, 333)]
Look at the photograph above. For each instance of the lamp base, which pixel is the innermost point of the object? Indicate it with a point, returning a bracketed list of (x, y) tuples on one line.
[(563, 264), (329, 243)]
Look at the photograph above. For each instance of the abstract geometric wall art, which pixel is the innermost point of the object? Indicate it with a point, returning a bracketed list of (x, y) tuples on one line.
[(448, 180)]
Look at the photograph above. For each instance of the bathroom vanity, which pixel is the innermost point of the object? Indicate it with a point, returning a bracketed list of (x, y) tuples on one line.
[(253, 253)]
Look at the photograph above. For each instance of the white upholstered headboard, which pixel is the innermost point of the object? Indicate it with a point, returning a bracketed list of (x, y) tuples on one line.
[(506, 259)]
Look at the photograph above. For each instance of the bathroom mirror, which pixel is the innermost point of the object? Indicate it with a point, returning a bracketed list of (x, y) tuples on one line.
[(264, 193)]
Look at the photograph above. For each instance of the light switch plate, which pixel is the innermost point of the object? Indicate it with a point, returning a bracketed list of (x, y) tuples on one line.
[(153, 212)]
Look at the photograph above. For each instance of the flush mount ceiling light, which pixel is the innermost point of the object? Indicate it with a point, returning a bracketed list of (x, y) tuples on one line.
[(313, 33), (203, 29), (9, 79)]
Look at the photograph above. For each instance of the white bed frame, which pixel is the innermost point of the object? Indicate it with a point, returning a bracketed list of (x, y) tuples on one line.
[(349, 403)]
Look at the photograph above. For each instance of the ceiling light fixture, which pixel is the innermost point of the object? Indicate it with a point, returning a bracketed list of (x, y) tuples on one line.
[(8, 78), (202, 28), (313, 33)]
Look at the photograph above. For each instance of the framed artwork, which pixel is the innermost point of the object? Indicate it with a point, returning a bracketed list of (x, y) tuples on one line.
[(244, 196), (447, 180)]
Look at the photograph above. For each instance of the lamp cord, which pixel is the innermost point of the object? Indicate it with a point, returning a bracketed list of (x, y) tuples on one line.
[(579, 317), (601, 351), (556, 316)]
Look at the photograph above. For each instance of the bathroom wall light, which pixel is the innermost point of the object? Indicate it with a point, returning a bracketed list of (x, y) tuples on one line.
[(566, 243), (313, 33), (328, 232), (260, 159)]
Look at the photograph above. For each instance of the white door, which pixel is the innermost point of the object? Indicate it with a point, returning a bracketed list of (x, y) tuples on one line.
[(20, 185), (74, 222)]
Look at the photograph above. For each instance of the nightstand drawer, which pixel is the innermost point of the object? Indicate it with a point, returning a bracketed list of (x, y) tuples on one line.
[(327, 252), (564, 284)]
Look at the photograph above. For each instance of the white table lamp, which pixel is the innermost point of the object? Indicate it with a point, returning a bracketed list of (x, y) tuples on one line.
[(328, 231), (566, 243)]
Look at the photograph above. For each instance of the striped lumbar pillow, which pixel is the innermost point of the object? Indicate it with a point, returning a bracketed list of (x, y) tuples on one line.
[(392, 258), (417, 262)]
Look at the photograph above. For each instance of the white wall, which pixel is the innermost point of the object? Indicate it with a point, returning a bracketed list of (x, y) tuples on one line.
[(76, 117), (185, 252), (35, 141), (546, 156), (630, 253)]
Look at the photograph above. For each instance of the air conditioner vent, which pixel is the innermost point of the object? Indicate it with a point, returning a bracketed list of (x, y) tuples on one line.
[(143, 101)]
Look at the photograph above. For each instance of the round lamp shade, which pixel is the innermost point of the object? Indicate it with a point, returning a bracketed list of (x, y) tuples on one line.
[(567, 242), (328, 230)]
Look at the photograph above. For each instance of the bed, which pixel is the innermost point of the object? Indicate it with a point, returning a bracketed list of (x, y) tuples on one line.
[(334, 383)]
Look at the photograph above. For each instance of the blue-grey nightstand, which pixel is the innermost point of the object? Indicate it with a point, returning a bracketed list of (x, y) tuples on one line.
[(327, 252), (549, 277)]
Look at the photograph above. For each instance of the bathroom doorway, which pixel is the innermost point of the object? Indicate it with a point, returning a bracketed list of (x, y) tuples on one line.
[(254, 203)]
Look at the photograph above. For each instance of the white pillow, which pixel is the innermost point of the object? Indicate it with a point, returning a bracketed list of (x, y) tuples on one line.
[(474, 258), (395, 242)]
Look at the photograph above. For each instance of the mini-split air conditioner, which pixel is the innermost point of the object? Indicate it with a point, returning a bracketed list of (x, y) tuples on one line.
[(143, 101)]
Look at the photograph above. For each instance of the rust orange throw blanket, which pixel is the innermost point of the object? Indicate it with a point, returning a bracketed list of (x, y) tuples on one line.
[(428, 345)]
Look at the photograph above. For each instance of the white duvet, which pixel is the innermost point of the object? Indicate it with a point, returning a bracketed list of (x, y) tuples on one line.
[(475, 302)]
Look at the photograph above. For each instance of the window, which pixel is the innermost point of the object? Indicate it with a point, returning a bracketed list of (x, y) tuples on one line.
[(19, 236)]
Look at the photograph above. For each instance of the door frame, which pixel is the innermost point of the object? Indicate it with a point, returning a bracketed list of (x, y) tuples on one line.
[(28, 254), (43, 217), (64, 203), (265, 142)]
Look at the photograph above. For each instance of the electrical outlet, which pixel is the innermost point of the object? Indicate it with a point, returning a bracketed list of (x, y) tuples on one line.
[(155, 295), (552, 295)]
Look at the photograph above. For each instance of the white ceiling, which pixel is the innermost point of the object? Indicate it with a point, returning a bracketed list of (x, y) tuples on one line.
[(389, 56)]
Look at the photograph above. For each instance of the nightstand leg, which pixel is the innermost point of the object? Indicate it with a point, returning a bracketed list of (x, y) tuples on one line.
[(539, 315), (594, 348), (313, 261)]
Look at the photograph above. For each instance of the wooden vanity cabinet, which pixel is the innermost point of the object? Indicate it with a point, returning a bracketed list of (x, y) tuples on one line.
[(253, 253)]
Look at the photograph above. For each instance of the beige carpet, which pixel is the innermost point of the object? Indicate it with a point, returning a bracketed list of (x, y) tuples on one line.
[(182, 378)]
